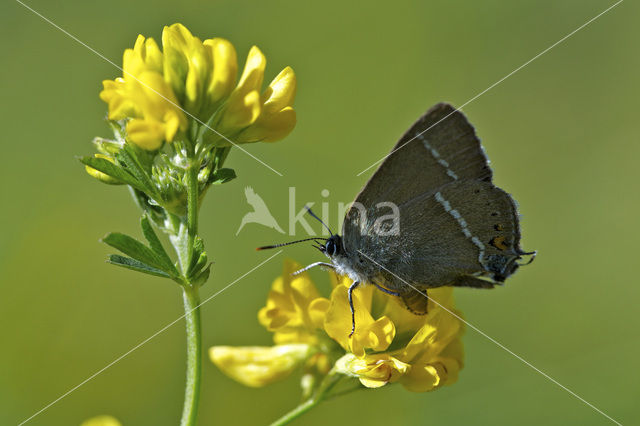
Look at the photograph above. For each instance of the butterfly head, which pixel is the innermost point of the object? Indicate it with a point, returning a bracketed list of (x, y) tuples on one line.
[(332, 246)]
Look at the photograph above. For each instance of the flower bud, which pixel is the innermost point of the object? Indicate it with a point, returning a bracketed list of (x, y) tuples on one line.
[(102, 176)]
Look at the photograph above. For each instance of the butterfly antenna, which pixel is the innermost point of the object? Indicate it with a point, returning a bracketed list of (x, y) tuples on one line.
[(313, 215), (289, 243)]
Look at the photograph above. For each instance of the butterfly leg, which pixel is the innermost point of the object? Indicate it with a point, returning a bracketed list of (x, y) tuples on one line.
[(353, 312), (313, 265)]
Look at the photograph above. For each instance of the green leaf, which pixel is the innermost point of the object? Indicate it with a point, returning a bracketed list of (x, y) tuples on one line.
[(198, 258), (128, 157), (129, 263), (156, 245), (202, 277), (144, 157), (221, 176), (202, 130), (219, 155), (135, 249), (156, 213), (113, 170), (198, 264), (198, 246)]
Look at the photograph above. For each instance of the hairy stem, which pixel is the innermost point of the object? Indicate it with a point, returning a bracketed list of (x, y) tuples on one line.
[(192, 208), (194, 358), (191, 305)]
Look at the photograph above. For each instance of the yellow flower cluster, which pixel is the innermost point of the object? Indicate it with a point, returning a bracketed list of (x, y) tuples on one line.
[(162, 93), (390, 344)]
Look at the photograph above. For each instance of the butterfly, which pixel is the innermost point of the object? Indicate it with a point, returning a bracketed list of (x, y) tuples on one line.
[(430, 216)]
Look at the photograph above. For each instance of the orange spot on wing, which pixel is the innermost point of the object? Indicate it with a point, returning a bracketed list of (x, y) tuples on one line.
[(498, 242)]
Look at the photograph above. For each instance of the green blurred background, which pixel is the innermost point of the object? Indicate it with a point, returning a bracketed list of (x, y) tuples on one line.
[(561, 134)]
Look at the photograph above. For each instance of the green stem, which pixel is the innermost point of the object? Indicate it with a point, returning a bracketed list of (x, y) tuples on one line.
[(192, 208), (327, 384), (194, 358), (297, 412), (191, 306)]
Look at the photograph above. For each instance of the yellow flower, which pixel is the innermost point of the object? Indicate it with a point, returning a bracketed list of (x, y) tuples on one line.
[(257, 366), (161, 116), (390, 344), (370, 333), (373, 372), (295, 314), (254, 117), (277, 118), (160, 90), (422, 352), (225, 69), (187, 65), (101, 421), (243, 106), (144, 97), (294, 309)]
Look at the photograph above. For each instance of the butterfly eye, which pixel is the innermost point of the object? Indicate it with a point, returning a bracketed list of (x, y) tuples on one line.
[(330, 247)]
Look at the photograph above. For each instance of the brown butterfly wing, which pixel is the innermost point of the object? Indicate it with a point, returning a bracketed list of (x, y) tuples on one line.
[(441, 145), (454, 223)]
